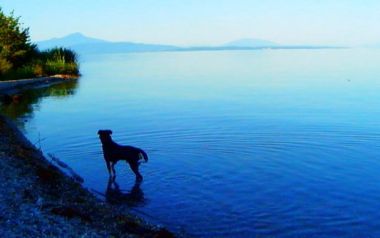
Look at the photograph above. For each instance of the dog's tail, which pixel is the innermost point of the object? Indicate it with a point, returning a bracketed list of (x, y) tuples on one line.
[(144, 155)]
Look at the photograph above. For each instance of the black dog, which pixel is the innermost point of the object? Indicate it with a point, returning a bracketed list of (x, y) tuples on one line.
[(114, 152)]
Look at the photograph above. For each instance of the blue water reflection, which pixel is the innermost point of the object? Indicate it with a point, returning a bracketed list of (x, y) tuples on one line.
[(280, 143)]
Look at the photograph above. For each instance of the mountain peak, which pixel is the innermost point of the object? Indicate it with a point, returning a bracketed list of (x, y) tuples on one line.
[(75, 34), (68, 41)]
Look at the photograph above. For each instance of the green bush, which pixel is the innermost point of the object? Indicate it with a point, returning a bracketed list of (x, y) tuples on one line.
[(60, 61), (5, 66), (27, 71), (59, 55), (57, 67)]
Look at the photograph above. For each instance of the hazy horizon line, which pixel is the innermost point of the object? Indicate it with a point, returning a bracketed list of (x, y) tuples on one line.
[(202, 44)]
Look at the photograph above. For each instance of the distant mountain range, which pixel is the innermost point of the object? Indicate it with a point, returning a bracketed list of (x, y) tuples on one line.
[(252, 43), (84, 45), (69, 40)]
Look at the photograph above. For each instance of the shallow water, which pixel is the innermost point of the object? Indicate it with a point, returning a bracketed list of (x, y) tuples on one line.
[(277, 143)]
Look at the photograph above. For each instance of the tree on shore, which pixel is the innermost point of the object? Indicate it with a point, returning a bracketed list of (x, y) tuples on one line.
[(15, 46), (20, 58)]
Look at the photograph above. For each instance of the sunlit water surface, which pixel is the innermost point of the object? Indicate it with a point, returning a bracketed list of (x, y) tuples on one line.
[(281, 143)]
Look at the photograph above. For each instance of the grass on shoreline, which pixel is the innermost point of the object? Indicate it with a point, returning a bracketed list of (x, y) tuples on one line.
[(46, 63)]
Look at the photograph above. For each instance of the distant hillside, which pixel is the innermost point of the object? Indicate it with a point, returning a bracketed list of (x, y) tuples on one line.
[(254, 43), (68, 41), (83, 44)]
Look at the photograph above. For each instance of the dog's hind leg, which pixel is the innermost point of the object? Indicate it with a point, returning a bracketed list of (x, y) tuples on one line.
[(135, 168)]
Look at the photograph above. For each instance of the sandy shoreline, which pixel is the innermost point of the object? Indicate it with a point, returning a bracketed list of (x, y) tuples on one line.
[(38, 200)]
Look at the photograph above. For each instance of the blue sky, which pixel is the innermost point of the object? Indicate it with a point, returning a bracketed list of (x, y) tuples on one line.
[(211, 22)]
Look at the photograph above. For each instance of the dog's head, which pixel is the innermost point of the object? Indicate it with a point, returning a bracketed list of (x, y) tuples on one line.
[(104, 135)]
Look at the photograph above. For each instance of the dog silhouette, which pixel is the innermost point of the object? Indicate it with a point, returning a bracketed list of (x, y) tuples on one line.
[(114, 152)]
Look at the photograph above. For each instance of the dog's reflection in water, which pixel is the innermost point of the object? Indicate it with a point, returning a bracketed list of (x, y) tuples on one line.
[(115, 196)]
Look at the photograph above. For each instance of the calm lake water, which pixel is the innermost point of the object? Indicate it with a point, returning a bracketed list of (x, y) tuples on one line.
[(277, 143)]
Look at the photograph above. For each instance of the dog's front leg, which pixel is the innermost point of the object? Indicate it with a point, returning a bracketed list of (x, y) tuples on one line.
[(109, 168), (113, 169)]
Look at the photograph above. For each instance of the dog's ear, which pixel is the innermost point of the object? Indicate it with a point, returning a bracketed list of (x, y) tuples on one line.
[(104, 132)]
